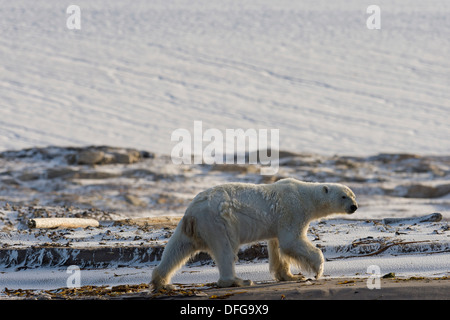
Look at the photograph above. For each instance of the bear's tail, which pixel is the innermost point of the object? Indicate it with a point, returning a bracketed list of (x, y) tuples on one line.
[(188, 226), (179, 249)]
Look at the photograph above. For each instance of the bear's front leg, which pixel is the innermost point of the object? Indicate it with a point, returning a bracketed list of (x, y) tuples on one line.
[(304, 253), (279, 266)]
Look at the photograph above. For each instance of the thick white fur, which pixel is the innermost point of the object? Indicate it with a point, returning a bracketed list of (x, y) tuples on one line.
[(222, 218)]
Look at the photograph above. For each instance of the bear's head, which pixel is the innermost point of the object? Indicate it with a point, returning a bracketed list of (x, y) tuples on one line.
[(340, 198)]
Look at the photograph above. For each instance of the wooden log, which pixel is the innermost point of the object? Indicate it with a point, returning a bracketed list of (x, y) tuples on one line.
[(434, 217), (51, 223), (155, 222)]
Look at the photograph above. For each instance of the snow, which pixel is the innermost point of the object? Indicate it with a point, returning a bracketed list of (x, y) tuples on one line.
[(408, 248), (433, 266), (133, 74)]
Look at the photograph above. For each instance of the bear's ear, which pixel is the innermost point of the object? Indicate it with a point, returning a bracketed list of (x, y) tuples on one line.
[(325, 189)]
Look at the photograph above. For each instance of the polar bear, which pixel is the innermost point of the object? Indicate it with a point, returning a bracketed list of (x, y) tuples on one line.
[(223, 217)]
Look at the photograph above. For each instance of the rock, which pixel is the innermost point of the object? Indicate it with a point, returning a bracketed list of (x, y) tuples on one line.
[(90, 157), (138, 173), (389, 275), (147, 155), (60, 173), (395, 157), (423, 191), (107, 155), (135, 201), (235, 168), (271, 179), (10, 182), (108, 158), (300, 162), (128, 157), (29, 176), (95, 175)]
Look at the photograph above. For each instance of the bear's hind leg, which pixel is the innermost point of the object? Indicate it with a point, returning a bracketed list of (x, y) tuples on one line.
[(176, 253), (228, 276), (279, 266), (224, 254)]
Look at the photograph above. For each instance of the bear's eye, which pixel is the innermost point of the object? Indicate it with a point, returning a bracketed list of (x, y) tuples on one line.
[(344, 197)]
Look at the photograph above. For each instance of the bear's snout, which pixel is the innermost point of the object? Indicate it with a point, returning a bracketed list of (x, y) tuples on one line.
[(353, 208)]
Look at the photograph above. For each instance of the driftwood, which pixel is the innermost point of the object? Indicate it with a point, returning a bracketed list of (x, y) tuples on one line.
[(155, 222), (434, 217), (51, 223), (382, 249)]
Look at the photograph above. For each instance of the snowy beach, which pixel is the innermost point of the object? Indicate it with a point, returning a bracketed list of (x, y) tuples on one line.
[(400, 227)]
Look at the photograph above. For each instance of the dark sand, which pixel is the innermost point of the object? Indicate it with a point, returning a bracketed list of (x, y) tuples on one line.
[(328, 289)]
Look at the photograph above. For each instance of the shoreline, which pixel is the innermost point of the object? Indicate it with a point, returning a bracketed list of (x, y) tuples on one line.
[(331, 289), (396, 288)]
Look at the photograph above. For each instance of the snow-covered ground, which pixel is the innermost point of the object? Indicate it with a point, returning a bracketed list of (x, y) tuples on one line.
[(434, 266), (408, 248), (38, 259), (135, 73)]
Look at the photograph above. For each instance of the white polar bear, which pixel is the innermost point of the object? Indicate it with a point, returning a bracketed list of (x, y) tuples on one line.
[(222, 218)]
